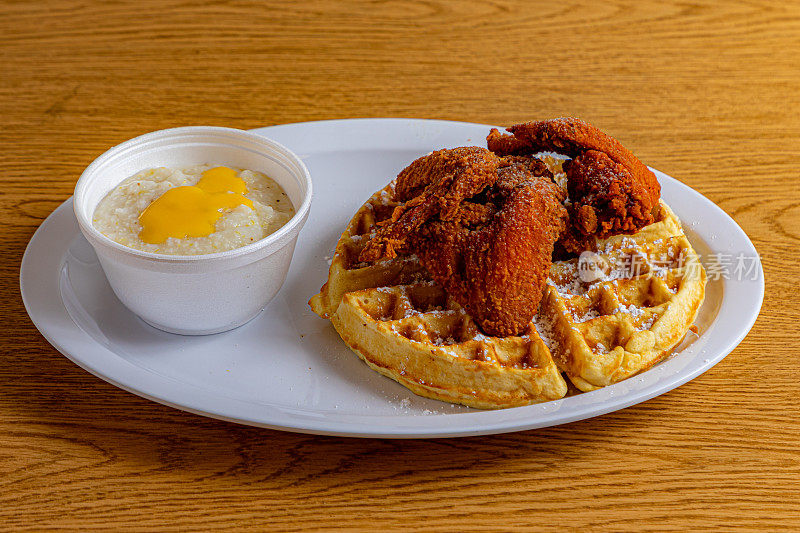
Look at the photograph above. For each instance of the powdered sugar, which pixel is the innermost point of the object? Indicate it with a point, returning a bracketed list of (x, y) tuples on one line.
[(632, 310), (544, 327), (588, 315), (385, 197)]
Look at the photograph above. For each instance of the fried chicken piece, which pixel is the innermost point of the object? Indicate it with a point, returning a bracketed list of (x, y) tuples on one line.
[(610, 190), (483, 227), (496, 264), (432, 185)]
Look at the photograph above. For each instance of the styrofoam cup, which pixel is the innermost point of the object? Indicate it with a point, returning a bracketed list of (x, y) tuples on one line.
[(195, 294)]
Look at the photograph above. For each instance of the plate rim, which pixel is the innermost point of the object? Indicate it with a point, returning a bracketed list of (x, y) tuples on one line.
[(323, 426)]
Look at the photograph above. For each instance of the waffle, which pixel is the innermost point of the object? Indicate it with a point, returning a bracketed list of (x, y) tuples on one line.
[(605, 316), (616, 312), (404, 326)]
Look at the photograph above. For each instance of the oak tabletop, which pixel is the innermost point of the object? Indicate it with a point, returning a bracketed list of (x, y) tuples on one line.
[(707, 92)]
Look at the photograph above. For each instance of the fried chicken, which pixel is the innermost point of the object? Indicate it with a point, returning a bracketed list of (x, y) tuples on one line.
[(432, 185), (483, 227), (610, 190), (494, 257), (485, 223)]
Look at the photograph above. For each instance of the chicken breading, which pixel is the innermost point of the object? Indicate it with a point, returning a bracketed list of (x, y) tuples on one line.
[(610, 190), (432, 185), (485, 223), (496, 266), (483, 227)]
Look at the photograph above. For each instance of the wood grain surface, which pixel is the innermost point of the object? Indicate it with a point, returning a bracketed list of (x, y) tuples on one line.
[(708, 92)]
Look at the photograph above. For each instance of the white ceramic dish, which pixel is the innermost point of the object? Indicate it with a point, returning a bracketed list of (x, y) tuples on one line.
[(198, 294), (287, 369)]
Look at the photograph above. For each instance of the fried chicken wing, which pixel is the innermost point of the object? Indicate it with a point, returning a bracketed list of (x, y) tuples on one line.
[(610, 190), (483, 227), (496, 265)]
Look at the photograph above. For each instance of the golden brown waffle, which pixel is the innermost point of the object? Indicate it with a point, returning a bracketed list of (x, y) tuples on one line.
[(617, 312), (347, 274), (627, 316)]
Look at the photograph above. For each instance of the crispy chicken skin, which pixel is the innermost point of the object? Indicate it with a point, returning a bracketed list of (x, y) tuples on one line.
[(610, 190), (485, 223), (432, 185), (483, 227), (494, 256)]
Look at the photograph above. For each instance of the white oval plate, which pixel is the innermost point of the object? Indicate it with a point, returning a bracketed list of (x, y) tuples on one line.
[(287, 369)]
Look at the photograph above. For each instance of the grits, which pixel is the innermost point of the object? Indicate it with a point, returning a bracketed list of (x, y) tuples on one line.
[(117, 214)]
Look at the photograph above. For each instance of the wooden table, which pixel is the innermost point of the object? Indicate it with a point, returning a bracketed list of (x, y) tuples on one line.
[(708, 92)]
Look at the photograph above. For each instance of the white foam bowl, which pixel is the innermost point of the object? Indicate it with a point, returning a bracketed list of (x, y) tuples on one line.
[(198, 294)]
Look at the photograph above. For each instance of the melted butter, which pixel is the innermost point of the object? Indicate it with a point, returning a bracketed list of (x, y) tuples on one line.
[(193, 210)]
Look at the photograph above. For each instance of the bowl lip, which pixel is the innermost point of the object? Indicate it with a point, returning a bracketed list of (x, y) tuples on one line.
[(293, 224)]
